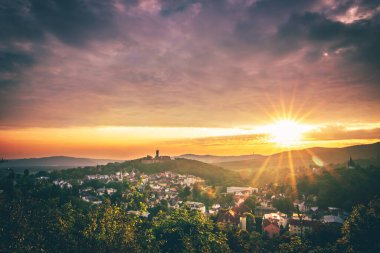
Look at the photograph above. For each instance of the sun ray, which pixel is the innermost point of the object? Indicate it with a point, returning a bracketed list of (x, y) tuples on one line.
[(286, 132), (293, 181), (261, 170), (292, 101), (279, 165), (310, 176)]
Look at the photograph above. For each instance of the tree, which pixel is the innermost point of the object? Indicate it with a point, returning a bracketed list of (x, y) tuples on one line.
[(111, 229), (26, 172), (360, 232), (197, 189), (251, 222), (296, 245), (135, 200), (184, 230), (251, 202), (226, 201), (185, 193), (255, 241), (238, 240), (284, 205)]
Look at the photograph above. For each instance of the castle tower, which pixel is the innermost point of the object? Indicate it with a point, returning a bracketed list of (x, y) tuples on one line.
[(157, 154), (351, 164)]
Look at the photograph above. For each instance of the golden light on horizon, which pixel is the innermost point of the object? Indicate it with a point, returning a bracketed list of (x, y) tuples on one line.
[(286, 133)]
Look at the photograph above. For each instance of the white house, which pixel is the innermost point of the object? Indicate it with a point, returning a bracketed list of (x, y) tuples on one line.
[(278, 217), (235, 189), (332, 219), (196, 206)]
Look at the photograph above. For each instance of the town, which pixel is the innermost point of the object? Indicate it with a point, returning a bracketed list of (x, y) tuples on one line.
[(163, 197), (237, 203)]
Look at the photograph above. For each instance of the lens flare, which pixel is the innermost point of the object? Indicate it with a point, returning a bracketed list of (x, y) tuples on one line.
[(286, 133)]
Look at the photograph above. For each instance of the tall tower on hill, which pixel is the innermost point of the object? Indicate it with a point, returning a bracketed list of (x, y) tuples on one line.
[(351, 164), (157, 154)]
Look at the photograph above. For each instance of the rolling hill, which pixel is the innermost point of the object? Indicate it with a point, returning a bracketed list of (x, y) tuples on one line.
[(54, 162), (277, 168), (304, 157), (219, 159), (213, 174)]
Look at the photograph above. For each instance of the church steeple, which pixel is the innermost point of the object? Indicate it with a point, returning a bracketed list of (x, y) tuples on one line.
[(351, 164)]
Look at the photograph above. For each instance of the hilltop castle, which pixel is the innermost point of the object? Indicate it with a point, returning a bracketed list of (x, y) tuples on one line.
[(157, 159)]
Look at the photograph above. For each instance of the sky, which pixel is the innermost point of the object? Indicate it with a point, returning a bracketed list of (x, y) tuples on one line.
[(119, 78)]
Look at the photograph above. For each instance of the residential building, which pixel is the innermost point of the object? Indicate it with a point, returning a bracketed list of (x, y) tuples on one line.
[(332, 219), (298, 227), (236, 189), (271, 228), (196, 206), (279, 218)]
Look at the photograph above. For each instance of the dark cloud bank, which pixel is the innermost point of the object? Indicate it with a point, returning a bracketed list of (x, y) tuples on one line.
[(201, 54)]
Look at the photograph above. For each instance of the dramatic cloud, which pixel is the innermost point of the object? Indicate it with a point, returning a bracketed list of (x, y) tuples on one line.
[(232, 63), (342, 133)]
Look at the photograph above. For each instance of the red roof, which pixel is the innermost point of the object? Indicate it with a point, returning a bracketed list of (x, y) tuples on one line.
[(268, 223)]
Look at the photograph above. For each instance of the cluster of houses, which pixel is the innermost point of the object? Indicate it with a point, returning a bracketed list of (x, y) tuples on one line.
[(91, 195), (118, 176), (306, 220), (61, 183), (298, 224), (237, 214), (165, 185)]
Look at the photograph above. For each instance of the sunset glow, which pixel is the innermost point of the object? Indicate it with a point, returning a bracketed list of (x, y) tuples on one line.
[(219, 77), (287, 133)]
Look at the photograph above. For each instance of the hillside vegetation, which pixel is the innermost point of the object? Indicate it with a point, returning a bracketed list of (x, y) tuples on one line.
[(214, 175), (304, 157), (278, 168)]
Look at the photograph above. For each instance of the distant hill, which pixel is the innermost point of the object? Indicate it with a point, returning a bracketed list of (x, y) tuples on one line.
[(211, 173), (304, 157), (54, 161), (219, 159), (277, 168)]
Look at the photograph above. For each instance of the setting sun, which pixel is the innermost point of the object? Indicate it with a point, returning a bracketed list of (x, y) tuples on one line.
[(286, 132)]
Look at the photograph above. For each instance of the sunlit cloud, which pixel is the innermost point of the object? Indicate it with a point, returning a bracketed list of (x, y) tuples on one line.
[(193, 75)]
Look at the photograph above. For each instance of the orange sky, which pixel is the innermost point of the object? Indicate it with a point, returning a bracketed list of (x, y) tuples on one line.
[(132, 142)]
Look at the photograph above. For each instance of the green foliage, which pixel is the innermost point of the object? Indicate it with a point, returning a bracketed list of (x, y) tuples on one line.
[(184, 193), (325, 234), (360, 232), (343, 188), (135, 200), (251, 202), (238, 240), (37, 216), (296, 245), (284, 205), (226, 200), (214, 175), (110, 229), (187, 231), (251, 222)]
